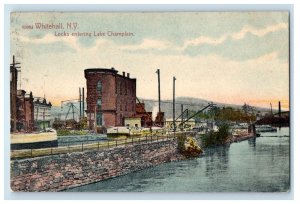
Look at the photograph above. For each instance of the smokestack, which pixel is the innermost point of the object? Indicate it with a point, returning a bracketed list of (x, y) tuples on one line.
[(128, 75), (123, 74), (279, 109)]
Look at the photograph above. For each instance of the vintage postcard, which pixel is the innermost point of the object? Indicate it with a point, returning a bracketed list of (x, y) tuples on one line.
[(149, 102)]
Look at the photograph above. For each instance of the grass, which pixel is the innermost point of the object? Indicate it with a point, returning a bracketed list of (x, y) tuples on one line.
[(66, 132)]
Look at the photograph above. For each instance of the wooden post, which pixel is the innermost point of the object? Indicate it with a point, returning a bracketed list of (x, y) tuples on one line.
[(158, 75), (79, 103), (174, 124), (82, 102)]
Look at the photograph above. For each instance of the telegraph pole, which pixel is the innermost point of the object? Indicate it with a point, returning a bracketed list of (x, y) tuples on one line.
[(174, 104), (158, 77), (79, 103), (82, 102), (14, 83)]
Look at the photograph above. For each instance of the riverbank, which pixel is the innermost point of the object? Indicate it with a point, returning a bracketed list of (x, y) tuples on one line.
[(259, 164), (65, 171), (240, 138)]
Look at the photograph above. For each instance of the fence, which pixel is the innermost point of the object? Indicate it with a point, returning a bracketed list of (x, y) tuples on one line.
[(27, 153)]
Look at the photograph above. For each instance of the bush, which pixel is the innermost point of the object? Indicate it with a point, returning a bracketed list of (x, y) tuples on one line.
[(216, 138), (63, 132), (188, 146)]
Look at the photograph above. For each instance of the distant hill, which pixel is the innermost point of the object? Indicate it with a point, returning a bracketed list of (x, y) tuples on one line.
[(151, 105), (190, 103)]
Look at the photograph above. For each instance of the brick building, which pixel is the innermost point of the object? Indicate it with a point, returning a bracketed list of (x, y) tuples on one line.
[(111, 97), (146, 117), (24, 111), (29, 112)]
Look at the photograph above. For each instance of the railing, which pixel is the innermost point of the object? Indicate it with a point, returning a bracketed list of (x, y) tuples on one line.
[(28, 153)]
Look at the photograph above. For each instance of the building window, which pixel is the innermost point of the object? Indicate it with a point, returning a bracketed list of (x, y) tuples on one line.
[(99, 119), (99, 87), (125, 88), (99, 103), (120, 85)]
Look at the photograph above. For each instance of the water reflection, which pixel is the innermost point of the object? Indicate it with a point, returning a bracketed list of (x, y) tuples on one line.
[(257, 165), (216, 160), (252, 142)]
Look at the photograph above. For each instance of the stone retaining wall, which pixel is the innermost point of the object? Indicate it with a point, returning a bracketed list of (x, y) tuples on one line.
[(59, 172)]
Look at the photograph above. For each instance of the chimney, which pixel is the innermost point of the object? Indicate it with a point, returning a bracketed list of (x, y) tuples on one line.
[(128, 75), (123, 74), (279, 109)]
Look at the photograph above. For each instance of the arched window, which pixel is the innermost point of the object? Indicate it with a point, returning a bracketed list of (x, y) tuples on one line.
[(99, 87)]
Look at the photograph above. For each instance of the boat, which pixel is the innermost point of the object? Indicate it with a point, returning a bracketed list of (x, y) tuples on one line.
[(34, 140), (265, 128)]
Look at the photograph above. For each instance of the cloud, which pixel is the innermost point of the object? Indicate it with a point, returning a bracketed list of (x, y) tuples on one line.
[(243, 40), (236, 35), (259, 32), (149, 44), (48, 39)]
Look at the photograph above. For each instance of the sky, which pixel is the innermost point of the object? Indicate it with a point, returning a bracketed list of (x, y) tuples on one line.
[(228, 57)]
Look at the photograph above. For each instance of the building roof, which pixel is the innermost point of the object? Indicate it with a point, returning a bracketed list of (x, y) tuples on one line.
[(179, 120), (100, 70), (107, 70)]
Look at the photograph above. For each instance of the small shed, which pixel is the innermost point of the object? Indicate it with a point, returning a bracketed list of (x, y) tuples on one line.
[(132, 122)]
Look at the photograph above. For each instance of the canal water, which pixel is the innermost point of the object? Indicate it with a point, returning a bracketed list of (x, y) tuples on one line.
[(256, 165)]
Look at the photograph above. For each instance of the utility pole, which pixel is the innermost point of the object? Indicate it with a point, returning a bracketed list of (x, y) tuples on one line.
[(14, 83), (158, 77), (79, 103), (44, 120), (174, 125), (82, 102), (182, 115)]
